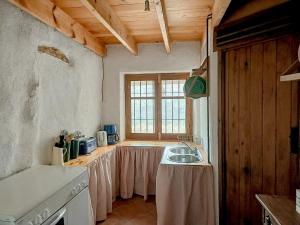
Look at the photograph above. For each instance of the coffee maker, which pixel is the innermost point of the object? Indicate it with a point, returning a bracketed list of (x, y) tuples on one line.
[(112, 134)]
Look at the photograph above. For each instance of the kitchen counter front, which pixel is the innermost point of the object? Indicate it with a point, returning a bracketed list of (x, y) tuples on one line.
[(120, 170), (125, 169), (84, 160), (184, 190)]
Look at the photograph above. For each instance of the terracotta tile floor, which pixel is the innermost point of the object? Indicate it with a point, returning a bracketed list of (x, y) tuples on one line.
[(133, 211)]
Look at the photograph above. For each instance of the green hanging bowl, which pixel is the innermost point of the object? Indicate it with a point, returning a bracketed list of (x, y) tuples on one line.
[(195, 87)]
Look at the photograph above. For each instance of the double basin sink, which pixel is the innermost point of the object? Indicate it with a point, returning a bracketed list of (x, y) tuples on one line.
[(181, 155)]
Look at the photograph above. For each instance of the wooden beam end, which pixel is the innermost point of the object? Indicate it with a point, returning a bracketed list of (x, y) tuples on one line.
[(105, 15), (135, 50)]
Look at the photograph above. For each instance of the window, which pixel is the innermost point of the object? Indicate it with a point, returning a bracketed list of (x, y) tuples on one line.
[(156, 108), (142, 106)]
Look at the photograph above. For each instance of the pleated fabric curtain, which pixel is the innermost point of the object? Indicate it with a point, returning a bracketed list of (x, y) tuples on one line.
[(186, 199), (137, 170), (122, 172), (102, 185)]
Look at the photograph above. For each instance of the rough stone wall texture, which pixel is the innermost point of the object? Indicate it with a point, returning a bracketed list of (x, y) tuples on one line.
[(39, 94)]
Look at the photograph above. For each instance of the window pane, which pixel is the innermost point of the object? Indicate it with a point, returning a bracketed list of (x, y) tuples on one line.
[(181, 85), (169, 126), (163, 109), (132, 126), (176, 109), (175, 87), (132, 109), (173, 116), (137, 88), (163, 126), (163, 88), (150, 109), (150, 88), (137, 109), (168, 108), (143, 126), (143, 107), (137, 126), (150, 128), (143, 88), (182, 110), (167, 87), (172, 88), (175, 126), (182, 127), (132, 88)]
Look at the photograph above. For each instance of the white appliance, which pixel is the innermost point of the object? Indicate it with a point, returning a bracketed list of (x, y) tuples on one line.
[(102, 138), (47, 195)]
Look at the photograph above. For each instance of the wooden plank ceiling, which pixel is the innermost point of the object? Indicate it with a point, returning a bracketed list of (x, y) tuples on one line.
[(126, 22)]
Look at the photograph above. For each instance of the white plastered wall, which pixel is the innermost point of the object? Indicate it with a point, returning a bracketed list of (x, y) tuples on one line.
[(201, 114), (213, 112), (213, 125), (152, 58), (39, 94)]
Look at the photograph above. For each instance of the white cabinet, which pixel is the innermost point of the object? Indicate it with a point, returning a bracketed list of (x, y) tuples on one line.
[(78, 209)]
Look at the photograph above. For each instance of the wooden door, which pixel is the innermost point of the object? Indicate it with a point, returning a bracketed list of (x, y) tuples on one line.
[(259, 112)]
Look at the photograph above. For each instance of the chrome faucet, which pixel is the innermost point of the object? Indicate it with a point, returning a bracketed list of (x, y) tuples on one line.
[(195, 150)]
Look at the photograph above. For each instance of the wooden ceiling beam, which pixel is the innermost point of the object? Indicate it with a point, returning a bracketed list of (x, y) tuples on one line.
[(49, 13), (163, 23), (219, 10), (109, 19)]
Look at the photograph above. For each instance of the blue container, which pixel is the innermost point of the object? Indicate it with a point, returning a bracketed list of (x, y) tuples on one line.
[(110, 129), (87, 145)]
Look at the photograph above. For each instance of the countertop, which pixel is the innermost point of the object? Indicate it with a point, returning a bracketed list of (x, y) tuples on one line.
[(84, 160), (148, 143), (281, 208)]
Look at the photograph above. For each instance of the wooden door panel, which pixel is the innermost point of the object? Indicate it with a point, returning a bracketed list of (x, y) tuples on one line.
[(283, 118), (259, 113), (244, 121), (232, 155), (256, 137), (269, 116)]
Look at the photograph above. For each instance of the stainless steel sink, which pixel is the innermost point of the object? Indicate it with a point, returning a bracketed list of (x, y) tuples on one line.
[(181, 150), (182, 155), (184, 158)]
